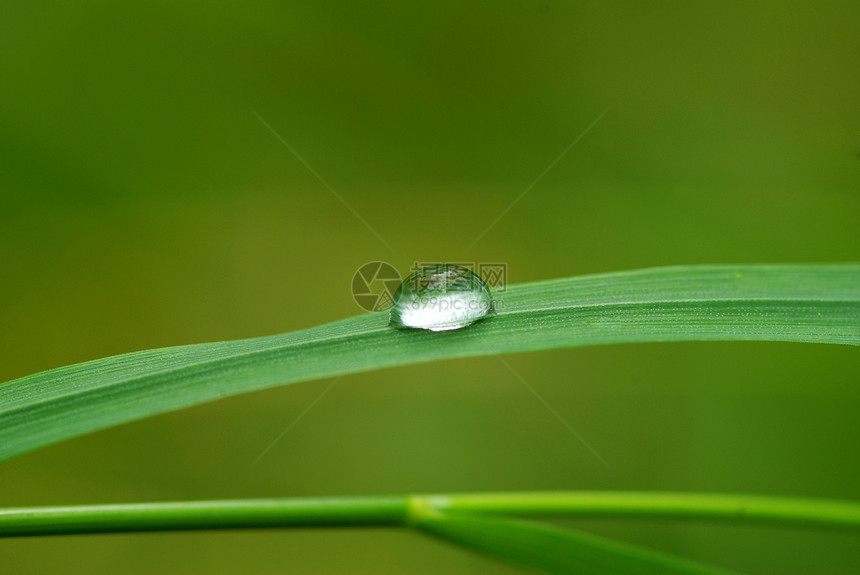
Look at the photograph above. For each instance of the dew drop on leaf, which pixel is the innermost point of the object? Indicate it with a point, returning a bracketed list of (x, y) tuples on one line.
[(440, 298)]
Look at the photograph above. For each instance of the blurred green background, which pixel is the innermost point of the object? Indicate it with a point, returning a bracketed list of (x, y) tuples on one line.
[(142, 204)]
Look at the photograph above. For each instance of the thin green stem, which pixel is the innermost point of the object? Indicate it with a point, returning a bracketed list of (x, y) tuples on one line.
[(197, 515), (776, 510), (399, 511)]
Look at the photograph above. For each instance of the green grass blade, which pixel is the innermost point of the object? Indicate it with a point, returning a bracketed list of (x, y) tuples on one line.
[(552, 549), (803, 303)]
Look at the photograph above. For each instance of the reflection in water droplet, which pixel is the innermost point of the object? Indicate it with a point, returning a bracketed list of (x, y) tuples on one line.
[(440, 298)]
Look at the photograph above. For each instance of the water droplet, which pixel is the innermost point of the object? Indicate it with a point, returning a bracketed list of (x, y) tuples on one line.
[(440, 298)]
